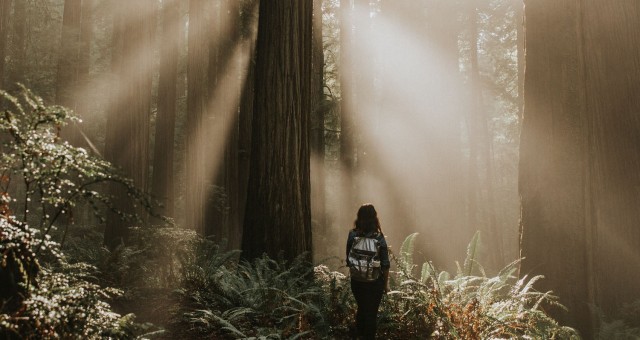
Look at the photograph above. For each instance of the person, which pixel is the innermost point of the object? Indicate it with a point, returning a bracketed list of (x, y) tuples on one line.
[(368, 294)]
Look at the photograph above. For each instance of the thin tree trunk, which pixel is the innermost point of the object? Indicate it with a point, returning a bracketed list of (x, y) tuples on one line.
[(196, 113), (127, 137), (244, 125), (163, 174), (19, 44), (224, 91), (244, 140), (5, 12), (347, 119), (480, 145), (317, 122), (519, 14), (69, 64), (69, 57)]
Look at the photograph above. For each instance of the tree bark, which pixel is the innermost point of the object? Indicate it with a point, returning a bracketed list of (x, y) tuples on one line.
[(579, 168), (5, 14), (277, 218), (225, 90), (163, 174), (347, 102), (480, 146), (18, 44), (244, 127), (73, 65), (127, 136), (68, 63), (317, 122), (196, 114), (611, 51)]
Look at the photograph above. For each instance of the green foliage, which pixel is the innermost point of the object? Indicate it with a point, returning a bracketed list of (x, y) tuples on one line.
[(441, 306), (48, 175), (18, 266), (55, 299), (466, 306), (263, 298), (267, 298), (152, 259), (42, 295), (64, 304), (625, 325)]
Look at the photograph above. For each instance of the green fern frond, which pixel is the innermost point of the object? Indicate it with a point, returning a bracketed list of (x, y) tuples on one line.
[(472, 249), (406, 253)]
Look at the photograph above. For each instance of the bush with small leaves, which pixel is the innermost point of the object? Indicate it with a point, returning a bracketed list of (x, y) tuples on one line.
[(41, 294), (48, 176)]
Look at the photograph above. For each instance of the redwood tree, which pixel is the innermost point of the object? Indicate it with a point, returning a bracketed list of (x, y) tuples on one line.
[(579, 165), (5, 9), (317, 120), (163, 175), (196, 113), (277, 217), (127, 135), (73, 64)]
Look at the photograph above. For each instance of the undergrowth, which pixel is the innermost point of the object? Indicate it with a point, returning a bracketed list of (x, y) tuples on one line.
[(43, 294), (273, 299)]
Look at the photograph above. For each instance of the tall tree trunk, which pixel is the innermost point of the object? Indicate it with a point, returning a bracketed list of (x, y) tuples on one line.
[(552, 157), (196, 114), (244, 138), (19, 44), (68, 63), (579, 166), (318, 213), (127, 137), (73, 65), (245, 117), (347, 102), (86, 36), (163, 175), (473, 123), (480, 146), (519, 15), (611, 50), (278, 217), (224, 92), (5, 11)]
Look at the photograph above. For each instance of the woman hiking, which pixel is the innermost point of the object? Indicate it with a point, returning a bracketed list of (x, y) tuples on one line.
[(368, 262)]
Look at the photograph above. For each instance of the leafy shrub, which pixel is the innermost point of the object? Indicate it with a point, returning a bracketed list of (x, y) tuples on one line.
[(221, 297), (624, 325), (54, 299), (41, 294), (151, 259), (48, 176), (439, 305), (19, 266), (224, 297)]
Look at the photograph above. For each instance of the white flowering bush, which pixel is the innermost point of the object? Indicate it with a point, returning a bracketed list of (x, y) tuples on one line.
[(43, 178), (48, 176)]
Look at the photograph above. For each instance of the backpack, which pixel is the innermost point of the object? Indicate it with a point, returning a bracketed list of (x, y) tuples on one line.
[(364, 259)]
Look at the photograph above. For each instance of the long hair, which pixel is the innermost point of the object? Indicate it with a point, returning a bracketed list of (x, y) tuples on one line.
[(367, 220)]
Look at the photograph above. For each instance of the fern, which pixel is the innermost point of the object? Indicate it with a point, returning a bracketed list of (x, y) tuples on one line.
[(472, 249), (406, 253)]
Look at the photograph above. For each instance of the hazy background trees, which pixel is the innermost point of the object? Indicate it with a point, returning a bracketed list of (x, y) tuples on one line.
[(412, 105)]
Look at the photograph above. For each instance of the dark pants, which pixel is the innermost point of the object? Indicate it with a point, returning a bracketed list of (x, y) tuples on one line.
[(368, 296)]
